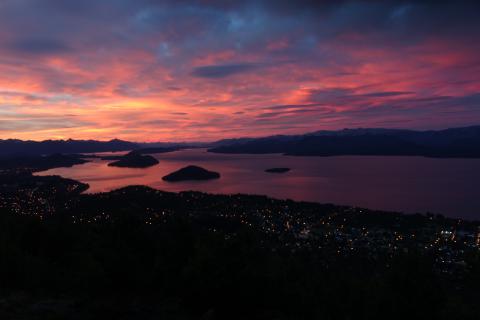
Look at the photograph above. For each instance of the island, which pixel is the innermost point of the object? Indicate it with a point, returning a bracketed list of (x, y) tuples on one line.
[(112, 157), (134, 160), (191, 173), (138, 152), (277, 170)]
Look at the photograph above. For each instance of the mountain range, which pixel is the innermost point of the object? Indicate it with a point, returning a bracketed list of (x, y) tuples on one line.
[(449, 143), (455, 142), (19, 147)]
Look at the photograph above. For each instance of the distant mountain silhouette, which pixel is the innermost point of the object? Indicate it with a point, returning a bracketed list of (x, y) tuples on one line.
[(33, 163), (153, 150), (449, 143), (19, 147)]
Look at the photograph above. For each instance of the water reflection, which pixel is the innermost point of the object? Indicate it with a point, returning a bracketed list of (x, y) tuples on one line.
[(411, 184)]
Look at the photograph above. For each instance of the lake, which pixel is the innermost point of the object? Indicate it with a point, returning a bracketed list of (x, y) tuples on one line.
[(408, 184)]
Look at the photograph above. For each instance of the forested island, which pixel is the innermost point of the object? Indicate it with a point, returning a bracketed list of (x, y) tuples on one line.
[(191, 173), (134, 160)]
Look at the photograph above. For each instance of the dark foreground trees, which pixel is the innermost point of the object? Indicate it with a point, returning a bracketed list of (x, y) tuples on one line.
[(180, 269)]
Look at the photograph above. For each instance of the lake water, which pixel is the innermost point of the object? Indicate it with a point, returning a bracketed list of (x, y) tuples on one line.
[(409, 184)]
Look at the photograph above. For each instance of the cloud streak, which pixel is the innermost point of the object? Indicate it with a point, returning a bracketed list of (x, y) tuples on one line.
[(223, 71), (39, 46)]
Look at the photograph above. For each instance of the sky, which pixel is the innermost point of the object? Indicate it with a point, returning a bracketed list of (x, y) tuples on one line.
[(181, 70)]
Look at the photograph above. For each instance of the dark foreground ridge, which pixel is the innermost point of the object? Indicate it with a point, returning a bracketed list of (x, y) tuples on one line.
[(134, 160), (191, 173), (140, 253)]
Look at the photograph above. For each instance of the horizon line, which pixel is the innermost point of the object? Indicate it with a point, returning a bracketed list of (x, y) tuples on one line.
[(244, 137)]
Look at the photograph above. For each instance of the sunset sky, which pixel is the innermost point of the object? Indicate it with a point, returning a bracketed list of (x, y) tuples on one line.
[(145, 70)]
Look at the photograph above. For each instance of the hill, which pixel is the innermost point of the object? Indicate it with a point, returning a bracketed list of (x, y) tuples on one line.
[(449, 143), (134, 160), (191, 173), (19, 147)]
